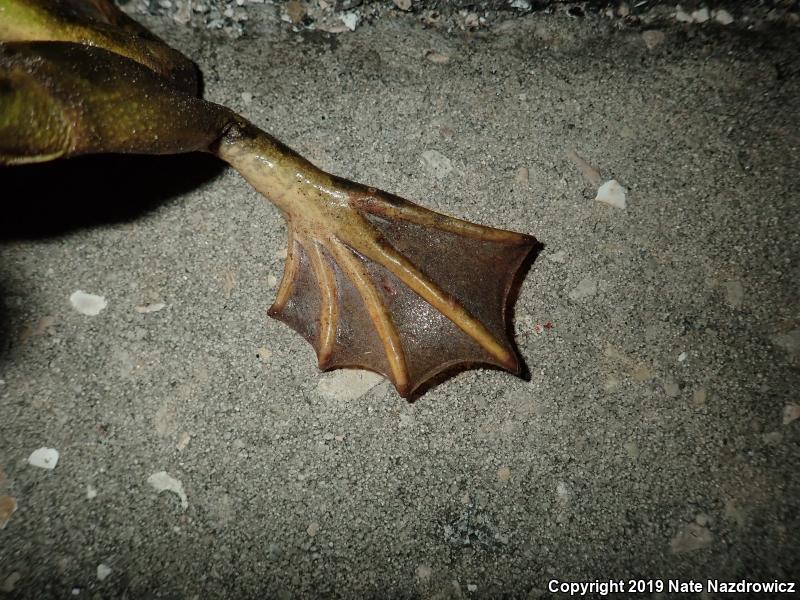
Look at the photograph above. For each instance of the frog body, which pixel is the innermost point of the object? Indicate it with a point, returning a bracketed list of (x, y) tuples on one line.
[(371, 280)]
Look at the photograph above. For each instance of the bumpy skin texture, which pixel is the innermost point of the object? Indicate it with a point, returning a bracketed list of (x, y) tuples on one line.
[(371, 280)]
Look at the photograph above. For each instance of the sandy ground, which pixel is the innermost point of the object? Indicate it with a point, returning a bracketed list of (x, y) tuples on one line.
[(654, 440)]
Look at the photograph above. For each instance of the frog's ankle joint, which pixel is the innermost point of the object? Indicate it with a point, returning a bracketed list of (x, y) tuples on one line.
[(236, 130)]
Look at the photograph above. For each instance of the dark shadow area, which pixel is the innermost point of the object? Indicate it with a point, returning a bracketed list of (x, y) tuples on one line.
[(524, 372), (51, 199)]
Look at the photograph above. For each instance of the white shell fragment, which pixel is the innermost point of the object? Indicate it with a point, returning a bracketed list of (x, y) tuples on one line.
[(87, 304), (350, 20), (103, 571), (164, 482), (701, 15), (723, 17), (347, 384), (149, 308), (44, 458), (682, 16), (437, 164), (612, 193)]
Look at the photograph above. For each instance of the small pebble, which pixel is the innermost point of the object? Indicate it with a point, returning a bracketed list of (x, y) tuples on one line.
[(682, 356), (471, 587), (44, 458), (312, 529), (403, 4), (91, 492)]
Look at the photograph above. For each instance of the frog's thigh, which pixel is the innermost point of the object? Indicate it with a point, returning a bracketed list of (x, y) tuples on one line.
[(62, 99), (32, 125)]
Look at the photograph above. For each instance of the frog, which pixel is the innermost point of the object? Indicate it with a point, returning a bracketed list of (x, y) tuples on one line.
[(371, 280)]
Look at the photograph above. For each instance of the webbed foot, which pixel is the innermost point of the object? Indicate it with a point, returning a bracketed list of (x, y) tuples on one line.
[(376, 282)]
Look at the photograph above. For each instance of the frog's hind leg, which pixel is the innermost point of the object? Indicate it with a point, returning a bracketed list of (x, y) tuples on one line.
[(377, 282)]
